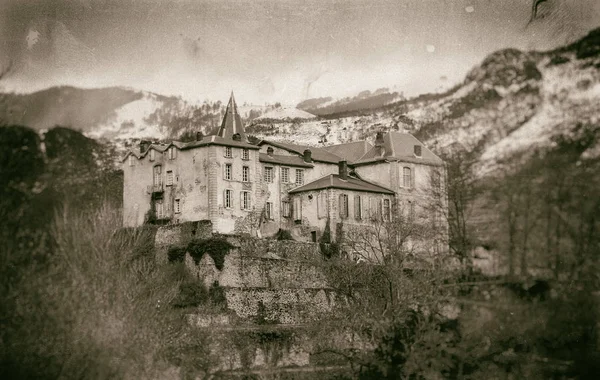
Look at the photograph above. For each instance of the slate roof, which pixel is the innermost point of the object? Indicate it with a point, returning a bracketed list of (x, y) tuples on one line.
[(232, 122), (206, 141), (333, 181), (400, 147), (318, 154), (352, 151), (284, 160)]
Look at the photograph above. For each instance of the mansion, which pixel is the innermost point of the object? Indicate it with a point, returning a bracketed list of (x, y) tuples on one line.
[(271, 186)]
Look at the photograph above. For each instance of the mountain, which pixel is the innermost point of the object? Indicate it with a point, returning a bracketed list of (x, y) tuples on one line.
[(284, 114), (364, 101), (115, 112), (508, 105)]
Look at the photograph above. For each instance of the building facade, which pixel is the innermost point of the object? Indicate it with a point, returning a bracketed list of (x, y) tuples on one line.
[(263, 188)]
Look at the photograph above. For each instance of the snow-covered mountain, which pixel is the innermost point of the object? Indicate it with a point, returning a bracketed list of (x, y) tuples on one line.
[(115, 113), (512, 102)]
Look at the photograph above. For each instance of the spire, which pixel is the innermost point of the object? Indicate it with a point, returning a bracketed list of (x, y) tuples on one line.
[(232, 122)]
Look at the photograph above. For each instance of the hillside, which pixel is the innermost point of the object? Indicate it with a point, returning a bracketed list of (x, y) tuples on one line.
[(511, 102), (115, 113)]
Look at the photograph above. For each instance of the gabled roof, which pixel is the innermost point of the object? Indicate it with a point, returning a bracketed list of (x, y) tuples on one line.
[(232, 122), (318, 154), (284, 160), (333, 181), (351, 151), (399, 147)]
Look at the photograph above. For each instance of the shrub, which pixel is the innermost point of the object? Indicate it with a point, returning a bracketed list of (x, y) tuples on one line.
[(217, 249), (283, 235)]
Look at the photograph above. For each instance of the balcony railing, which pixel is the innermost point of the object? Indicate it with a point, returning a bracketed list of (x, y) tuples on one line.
[(153, 189)]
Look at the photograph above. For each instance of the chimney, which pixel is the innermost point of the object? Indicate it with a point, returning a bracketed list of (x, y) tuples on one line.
[(343, 169), (199, 136), (144, 145), (418, 150), (380, 149), (307, 155)]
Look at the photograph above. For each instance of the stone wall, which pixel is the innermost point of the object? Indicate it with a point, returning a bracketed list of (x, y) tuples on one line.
[(178, 235)]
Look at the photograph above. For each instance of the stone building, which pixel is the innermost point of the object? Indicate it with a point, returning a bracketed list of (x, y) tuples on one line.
[(262, 188)]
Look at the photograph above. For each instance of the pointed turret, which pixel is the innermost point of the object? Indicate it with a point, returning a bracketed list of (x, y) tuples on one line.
[(232, 122)]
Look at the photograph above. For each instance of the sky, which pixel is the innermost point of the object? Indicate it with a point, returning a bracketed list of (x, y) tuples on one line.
[(269, 51)]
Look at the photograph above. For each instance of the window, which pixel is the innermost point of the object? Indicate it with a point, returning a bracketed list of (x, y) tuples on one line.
[(407, 173), (245, 154), (131, 160), (269, 175), (285, 209), (387, 210), (228, 152), (169, 177), (269, 211), (374, 209), (245, 200), (285, 175), (343, 205), (297, 209), (299, 176), (357, 208), (157, 175), (245, 174), (411, 211), (322, 205), (152, 154), (172, 153), (159, 209), (437, 180), (177, 206), (228, 170), (228, 203)]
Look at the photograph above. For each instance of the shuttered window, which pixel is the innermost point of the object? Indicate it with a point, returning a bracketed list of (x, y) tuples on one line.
[(357, 208), (407, 177), (227, 172), (245, 154), (285, 209), (269, 175), (343, 206), (245, 200), (297, 209), (228, 199), (299, 176), (245, 174), (285, 175), (169, 177), (322, 205), (269, 210), (387, 214)]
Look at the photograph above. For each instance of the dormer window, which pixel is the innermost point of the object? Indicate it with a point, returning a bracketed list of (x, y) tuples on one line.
[(270, 151), (237, 137), (172, 153), (228, 152), (417, 150)]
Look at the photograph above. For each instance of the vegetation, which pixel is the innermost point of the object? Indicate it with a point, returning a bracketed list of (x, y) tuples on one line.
[(216, 248)]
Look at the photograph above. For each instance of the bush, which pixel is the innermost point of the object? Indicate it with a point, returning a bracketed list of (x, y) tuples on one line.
[(283, 235), (217, 249)]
